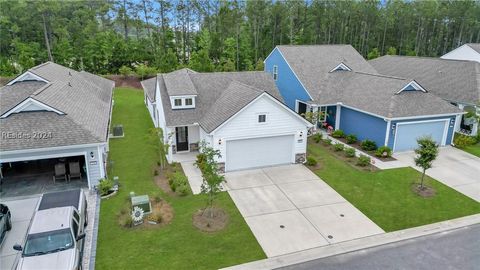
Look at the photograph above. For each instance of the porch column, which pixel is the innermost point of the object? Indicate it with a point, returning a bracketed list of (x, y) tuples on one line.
[(458, 119), (337, 117)]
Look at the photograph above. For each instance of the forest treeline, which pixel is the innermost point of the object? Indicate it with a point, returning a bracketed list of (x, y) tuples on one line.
[(205, 35)]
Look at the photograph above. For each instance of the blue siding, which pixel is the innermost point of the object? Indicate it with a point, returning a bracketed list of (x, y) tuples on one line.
[(290, 87), (363, 125), (450, 133)]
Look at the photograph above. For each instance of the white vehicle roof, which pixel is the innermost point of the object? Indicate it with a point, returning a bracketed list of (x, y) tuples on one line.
[(51, 219)]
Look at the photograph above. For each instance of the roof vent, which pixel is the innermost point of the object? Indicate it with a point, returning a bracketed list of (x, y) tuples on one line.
[(69, 84), (69, 73)]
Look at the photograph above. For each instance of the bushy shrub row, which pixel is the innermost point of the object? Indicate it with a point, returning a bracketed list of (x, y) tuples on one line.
[(178, 183), (462, 141)]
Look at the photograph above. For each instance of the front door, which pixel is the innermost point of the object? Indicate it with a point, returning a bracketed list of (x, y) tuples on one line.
[(182, 138)]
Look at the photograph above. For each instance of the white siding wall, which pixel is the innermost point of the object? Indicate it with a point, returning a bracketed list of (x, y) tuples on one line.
[(204, 136), (280, 121), (96, 165), (193, 134), (463, 53)]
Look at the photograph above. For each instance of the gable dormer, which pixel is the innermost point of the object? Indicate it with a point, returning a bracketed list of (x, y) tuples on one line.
[(27, 76), (412, 86), (29, 105), (341, 67), (183, 102)]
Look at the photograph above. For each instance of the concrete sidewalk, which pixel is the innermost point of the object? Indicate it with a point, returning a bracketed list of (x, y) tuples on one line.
[(358, 244)]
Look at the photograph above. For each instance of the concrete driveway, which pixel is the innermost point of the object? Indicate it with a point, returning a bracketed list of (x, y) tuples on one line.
[(289, 209), (454, 168), (22, 212)]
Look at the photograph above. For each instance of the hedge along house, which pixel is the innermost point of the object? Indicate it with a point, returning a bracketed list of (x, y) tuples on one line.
[(337, 80), (456, 81), (239, 113), (52, 115)]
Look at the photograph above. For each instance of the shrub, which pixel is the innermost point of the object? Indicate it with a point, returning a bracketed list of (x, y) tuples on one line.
[(311, 161), (327, 141), (183, 190), (363, 160), (338, 147), (462, 140), (104, 186), (383, 151), (349, 152), (157, 198), (317, 137), (352, 138), (155, 172), (155, 217), (368, 145), (125, 71), (125, 220), (338, 133)]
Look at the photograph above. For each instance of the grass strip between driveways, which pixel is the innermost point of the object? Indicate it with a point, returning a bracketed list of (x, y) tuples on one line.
[(385, 196), (178, 245), (473, 149)]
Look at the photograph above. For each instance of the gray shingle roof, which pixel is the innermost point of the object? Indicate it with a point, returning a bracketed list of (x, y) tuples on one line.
[(178, 82), (149, 87), (211, 88), (83, 97), (453, 80), (312, 63), (475, 46), (377, 94)]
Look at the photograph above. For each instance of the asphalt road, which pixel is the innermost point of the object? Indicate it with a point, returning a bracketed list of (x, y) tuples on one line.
[(458, 249)]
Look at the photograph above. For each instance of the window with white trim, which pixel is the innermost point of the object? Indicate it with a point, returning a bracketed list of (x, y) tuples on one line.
[(323, 114), (275, 72), (188, 102), (178, 102), (182, 102), (262, 118)]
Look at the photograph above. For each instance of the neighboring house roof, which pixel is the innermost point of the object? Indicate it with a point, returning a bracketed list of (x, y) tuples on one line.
[(83, 98), (380, 95), (452, 80), (474, 46), (312, 63), (219, 96), (149, 87)]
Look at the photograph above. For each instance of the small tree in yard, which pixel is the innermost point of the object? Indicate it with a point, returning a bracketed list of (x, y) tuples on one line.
[(212, 181), (157, 134), (427, 152)]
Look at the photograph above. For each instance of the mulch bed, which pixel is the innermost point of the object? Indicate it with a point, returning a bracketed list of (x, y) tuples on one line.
[(165, 210), (204, 221), (161, 178), (352, 161), (425, 192), (370, 153)]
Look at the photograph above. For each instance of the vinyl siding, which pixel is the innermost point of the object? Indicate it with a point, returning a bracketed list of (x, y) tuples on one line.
[(279, 121), (363, 125), (290, 87)]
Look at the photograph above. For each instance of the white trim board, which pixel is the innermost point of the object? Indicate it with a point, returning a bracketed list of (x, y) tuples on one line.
[(415, 86), (28, 75), (33, 150), (445, 129), (29, 102), (341, 67)]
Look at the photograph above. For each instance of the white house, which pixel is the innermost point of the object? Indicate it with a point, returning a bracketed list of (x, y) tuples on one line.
[(469, 51), (53, 115), (239, 113)]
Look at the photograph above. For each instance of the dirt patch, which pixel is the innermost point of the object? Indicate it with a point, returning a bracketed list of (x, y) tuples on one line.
[(129, 81), (425, 191), (160, 177), (318, 166), (210, 220)]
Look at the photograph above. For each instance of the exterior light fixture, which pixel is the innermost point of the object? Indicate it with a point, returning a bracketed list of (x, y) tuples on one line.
[(220, 141), (92, 155)]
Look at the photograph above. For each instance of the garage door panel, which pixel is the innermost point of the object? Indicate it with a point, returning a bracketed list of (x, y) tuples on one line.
[(407, 134), (259, 152)]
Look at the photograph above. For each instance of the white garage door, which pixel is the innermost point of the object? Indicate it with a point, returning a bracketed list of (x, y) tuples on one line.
[(259, 152), (407, 134)]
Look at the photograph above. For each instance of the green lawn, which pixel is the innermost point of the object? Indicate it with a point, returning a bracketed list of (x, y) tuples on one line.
[(385, 196), (473, 149), (175, 246)]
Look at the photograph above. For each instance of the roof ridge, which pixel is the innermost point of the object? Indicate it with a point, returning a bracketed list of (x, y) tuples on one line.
[(41, 89), (246, 85), (381, 75), (313, 45), (425, 58), (40, 65)]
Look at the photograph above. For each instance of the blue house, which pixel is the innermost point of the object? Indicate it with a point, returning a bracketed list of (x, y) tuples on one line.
[(355, 98)]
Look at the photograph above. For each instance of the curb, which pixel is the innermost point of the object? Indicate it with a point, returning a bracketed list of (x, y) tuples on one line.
[(358, 244)]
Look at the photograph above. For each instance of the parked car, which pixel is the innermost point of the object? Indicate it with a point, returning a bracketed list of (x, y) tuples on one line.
[(55, 237), (5, 222)]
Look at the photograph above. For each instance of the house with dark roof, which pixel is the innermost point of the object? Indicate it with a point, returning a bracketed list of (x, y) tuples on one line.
[(455, 81), (353, 96), (52, 115), (242, 114), (468, 51)]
